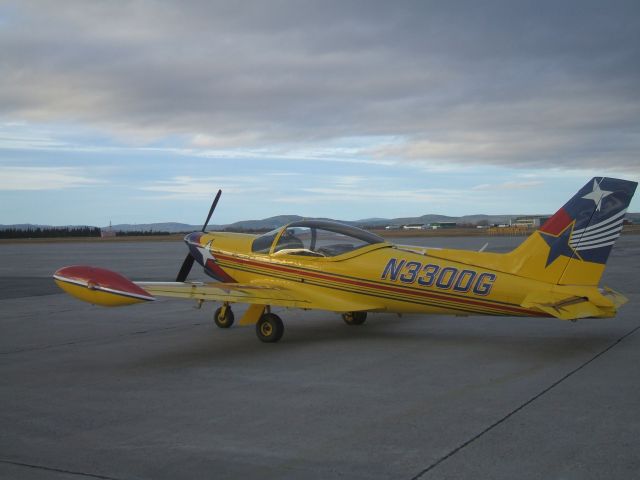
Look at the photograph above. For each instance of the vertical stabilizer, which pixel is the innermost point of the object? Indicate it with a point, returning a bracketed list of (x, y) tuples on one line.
[(573, 246)]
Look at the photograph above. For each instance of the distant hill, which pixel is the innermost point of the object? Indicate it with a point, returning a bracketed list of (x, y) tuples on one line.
[(32, 226), (175, 227), (434, 218), (23, 226), (171, 227), (265, 224), (377, 222), (279, 220), (633, 217)]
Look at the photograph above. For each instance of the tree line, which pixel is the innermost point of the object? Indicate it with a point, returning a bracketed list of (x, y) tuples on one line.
[(141, 233), (53, 232), (68, 232)]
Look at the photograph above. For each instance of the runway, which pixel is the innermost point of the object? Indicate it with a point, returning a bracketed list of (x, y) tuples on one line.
[(156, 391)]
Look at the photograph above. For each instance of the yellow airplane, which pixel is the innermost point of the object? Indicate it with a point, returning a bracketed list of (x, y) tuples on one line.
[(314, 264)]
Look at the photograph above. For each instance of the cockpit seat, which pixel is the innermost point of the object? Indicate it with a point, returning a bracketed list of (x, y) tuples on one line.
[(289, 242)]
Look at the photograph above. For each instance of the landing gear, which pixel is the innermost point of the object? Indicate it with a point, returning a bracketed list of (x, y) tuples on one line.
[(269, 328), (354, 318), (223, 316)]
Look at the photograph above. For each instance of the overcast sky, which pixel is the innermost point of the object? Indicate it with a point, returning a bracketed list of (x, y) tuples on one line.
[(138, 111)]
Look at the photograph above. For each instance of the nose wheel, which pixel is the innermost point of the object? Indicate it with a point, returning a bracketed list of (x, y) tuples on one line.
[(269, 328), (223, 316)]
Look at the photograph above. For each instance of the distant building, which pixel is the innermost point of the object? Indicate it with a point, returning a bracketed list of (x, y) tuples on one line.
[(392, 227), (414, 226), (529, 222), (438, 225), (543, 220)]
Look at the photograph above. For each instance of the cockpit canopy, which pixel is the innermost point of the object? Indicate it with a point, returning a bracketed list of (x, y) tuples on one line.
[(314, 238)]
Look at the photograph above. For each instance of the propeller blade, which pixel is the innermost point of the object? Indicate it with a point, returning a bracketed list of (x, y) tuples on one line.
[(188, 261), (186, 268), (213, 207)]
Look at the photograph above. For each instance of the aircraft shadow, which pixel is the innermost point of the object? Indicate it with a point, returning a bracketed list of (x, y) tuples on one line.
[(240, 344)]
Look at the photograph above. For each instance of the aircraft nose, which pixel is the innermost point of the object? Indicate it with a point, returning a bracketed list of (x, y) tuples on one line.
[(193, 244), (193, 238)]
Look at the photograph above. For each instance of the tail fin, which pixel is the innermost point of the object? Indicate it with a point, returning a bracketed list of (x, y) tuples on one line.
[(572, 247)]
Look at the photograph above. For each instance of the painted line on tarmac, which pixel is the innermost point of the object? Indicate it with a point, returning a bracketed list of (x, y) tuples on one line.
[(525, 404), (59, 470)]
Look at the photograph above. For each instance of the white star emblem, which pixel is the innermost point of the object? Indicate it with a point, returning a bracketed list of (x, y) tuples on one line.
[(597, 195), (206, 253)]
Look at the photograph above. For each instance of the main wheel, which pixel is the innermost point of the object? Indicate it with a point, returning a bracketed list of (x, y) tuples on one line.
[(354, 318), (223, 320), (269, 328)]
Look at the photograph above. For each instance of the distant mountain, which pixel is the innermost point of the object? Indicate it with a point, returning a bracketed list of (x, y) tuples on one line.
[(280, 220), (633, 217), (175, 227), (429, 218), (265, 224), (434, 218), (172, 227), (23, 226), (371, 221), (32, 226)]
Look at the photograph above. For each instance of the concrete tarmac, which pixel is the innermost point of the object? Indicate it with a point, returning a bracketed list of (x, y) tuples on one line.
[(156, 391)]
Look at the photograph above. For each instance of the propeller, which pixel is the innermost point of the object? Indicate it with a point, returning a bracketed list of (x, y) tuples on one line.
[(189, 259)]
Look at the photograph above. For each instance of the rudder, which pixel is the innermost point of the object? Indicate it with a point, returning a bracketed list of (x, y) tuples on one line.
[(573, 246)]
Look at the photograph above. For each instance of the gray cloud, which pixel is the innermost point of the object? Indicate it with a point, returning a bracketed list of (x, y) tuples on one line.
[(508, 83)]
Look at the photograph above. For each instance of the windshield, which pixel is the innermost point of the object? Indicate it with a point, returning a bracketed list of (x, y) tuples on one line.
[(263, 243), (316, 238)]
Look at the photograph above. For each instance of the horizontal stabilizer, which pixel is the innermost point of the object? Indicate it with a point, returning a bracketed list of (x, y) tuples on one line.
[(568, 305), (616, 298)]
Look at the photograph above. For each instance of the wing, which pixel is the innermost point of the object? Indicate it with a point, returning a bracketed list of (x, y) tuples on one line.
[(225, 292), (255, 293)]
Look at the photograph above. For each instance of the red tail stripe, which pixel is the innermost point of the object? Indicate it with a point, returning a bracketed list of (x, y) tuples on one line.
[(556, 224)]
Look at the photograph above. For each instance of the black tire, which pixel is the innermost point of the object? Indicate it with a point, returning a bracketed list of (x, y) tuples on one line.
[(223, 321), (269, 328), (354, 318)]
